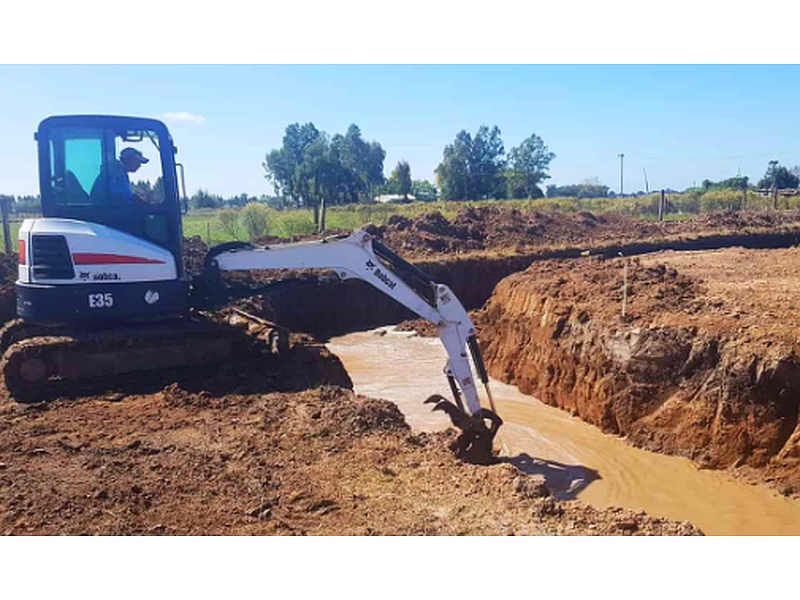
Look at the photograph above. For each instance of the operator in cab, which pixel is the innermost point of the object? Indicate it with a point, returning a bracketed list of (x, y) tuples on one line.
[(116, 174)]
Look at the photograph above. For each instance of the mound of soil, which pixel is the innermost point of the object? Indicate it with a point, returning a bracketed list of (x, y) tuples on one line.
[(321, 462), (501, 228), (421, 327), (498, 227), (699, 366), (738, 220)]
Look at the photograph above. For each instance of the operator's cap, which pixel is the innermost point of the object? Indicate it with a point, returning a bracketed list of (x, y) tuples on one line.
[(133, 153)]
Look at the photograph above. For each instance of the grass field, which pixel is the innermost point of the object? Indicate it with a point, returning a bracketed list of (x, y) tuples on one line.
[(286, 223)]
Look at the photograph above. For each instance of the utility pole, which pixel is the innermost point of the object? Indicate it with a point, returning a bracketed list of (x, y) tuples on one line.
[(773, 165), (621, 156)]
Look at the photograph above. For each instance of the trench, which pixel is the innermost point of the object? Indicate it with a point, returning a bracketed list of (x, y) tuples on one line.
[(576, 458), (330, 308)]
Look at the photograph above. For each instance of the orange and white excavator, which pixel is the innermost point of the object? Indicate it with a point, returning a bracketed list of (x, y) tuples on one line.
[(102, 288)]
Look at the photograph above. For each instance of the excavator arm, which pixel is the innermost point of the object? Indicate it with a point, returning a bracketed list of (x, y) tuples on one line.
[(360, 256)]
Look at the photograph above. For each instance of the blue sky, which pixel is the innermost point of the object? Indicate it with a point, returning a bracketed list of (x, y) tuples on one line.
[(681, 124)]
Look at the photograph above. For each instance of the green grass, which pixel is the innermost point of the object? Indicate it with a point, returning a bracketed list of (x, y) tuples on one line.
[(14, 226)]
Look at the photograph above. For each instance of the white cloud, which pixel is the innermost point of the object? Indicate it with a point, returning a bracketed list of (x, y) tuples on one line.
[(184, 116)]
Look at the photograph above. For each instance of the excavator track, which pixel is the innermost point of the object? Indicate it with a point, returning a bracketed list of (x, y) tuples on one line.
[(40, 363)]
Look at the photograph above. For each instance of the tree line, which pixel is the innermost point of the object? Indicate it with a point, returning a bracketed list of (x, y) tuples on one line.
[(312, 169), (776, 176)]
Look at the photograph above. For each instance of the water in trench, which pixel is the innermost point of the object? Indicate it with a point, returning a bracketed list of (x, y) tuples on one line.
[(577, 459)]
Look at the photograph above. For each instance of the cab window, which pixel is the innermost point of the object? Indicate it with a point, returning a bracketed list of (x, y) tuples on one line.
[(91, 166), (75, 162)]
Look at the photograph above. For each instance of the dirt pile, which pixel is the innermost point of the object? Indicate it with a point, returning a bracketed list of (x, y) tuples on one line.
[(421, 327), (501, 228), (498, 228), (321, 462), (741, 220), (689, 370)]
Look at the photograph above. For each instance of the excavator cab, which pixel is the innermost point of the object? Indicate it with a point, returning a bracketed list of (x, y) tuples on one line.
[(86, 174), (109, 244)]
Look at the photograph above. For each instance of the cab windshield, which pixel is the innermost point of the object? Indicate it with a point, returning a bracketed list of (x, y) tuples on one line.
[(102, 167)]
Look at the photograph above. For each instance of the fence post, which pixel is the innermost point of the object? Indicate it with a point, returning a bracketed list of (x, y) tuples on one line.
[(6, 207), (662, 207), (624, 283), (323, 211)]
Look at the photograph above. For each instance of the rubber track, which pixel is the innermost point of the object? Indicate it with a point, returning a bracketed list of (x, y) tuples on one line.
[(73, 356)]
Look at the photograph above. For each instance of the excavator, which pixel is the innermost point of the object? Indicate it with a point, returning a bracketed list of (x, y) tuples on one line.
[(102, 289)]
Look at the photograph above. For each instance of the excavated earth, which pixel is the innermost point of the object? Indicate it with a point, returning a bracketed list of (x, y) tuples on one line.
[(275, 444), (703, 364), (319, 461), (497, 228)]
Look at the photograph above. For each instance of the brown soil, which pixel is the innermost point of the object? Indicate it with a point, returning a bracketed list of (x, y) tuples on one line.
[(425, 328), (499, 228), (238, 451), (705, 363), (421, 327), (489, 228)]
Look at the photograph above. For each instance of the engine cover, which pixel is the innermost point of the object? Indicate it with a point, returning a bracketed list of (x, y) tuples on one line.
[(80, 271), (62, 251)]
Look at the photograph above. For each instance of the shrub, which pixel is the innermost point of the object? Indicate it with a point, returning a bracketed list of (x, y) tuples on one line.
[(721, 200), (255, 219), (229, 222)]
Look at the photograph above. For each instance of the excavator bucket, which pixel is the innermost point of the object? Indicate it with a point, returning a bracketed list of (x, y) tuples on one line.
[(475, 443)]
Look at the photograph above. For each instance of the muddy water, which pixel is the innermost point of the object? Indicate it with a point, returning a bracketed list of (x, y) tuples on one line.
[(577, 459)]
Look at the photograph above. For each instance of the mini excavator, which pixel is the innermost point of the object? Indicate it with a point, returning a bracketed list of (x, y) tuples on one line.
[(102, 288)]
